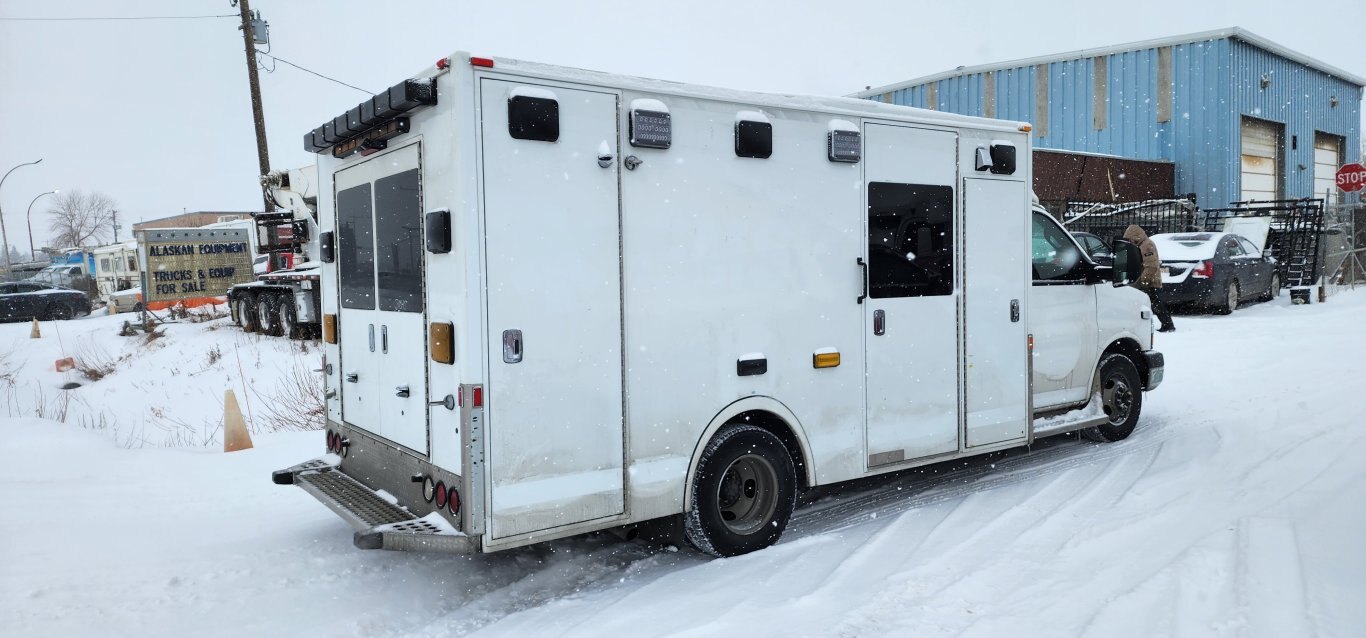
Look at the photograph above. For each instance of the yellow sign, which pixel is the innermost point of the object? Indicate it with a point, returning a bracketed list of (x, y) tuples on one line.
[(188, 263)]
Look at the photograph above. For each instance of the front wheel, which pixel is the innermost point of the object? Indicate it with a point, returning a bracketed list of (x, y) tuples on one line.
[(1273, 290), (1121, 396), (744, 491), (60, 311)]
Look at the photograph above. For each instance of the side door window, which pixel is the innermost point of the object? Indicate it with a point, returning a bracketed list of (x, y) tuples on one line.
[(910, 240), (1056, 257)]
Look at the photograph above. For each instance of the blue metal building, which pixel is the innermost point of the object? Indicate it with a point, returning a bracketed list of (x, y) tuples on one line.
[(1240, 117)]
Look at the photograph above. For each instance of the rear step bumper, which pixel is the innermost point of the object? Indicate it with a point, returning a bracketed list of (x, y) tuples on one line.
[(379, 524)]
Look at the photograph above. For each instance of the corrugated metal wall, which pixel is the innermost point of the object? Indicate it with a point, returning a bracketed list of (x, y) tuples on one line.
[(1299, 98), (1212, 84)]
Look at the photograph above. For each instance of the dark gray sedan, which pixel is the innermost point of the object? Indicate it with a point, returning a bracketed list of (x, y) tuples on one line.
[(24, 300), (1214, 271)]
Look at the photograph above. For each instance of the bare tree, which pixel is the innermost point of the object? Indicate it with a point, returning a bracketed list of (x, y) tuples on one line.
[(80, 220)]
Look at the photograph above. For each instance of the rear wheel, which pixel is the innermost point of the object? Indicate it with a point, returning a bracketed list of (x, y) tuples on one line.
[(266, 319), (245, 306), (744, 491), (1231, 296), (1121, 395), (287, 318), (1274, 289)]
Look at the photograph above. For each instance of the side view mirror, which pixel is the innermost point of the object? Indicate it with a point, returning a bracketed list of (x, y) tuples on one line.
[(1128, 263)]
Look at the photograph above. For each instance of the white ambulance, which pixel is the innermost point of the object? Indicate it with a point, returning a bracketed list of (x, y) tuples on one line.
[(558, 301)]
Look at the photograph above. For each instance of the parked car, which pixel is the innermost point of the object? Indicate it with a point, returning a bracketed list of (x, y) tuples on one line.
[(23, 300), (1215, 271), (1095, 248), (129, 300)]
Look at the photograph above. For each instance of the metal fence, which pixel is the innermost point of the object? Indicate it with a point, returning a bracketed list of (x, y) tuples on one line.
[(1108, 220)]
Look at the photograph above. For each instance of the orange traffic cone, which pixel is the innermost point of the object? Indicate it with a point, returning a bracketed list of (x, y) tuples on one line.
[(235, 435)]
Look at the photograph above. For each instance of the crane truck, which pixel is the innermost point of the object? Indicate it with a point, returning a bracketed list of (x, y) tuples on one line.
[(283, 300)]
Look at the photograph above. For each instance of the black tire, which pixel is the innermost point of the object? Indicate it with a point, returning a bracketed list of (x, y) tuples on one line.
[(266, 321), (1229, 303), (1273, 289), (287, 317), (1121, 393), (60, 311), (744, 491), (245, 307)]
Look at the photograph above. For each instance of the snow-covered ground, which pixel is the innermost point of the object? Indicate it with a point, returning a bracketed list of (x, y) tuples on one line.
[(1237, 508)]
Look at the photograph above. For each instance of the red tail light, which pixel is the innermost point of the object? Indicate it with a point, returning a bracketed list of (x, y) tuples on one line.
[(1204, 271), (331, 441), (478, 396), (454, 501), (441, 495)]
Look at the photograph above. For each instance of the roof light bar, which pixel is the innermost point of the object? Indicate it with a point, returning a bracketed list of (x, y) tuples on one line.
[(376, 113)]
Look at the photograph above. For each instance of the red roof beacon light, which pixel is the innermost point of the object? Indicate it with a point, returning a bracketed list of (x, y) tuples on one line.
[(484, 62), (443, 64)]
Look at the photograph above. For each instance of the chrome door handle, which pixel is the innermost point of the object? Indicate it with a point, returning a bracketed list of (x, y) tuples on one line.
[(372, 337), (448, 402), (352, 377), (401, 391), (879, 322)]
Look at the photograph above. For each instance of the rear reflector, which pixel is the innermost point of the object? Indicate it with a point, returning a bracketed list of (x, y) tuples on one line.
[(330, 328), (478, 396), (484, 62)]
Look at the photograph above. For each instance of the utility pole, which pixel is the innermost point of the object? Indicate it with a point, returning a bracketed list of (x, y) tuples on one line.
[(249, 42)]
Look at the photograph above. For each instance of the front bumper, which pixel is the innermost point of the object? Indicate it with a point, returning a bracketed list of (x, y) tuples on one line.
[(378, 522), (1155, 363)]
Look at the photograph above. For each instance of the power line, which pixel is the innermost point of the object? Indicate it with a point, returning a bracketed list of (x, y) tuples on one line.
[(226, 15), (277, 59)]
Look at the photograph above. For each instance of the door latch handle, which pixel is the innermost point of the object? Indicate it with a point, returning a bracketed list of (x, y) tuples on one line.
[(1014, 311), (512, 346), (632, 162), (879, 322), (448, 402), (863, 292), (372, 337), (384, 338), (352, 377), (401, 392)]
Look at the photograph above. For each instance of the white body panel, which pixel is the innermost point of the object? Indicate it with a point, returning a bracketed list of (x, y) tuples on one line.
[(553, 270), (638, 293)]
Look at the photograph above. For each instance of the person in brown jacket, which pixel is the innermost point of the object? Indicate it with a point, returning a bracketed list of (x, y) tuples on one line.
[(1151, 280)]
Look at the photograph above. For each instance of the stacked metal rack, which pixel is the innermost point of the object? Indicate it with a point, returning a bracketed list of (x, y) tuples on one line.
[(1294, 237)]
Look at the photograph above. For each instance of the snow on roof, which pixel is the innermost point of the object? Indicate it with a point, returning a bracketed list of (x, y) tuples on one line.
[(823, 104), (1236, 33)]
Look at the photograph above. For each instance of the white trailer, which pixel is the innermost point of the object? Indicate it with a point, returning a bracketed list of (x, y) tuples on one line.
[(558, 301)]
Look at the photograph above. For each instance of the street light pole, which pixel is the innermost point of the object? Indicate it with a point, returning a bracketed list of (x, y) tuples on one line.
[(33, 254), (4, 236)]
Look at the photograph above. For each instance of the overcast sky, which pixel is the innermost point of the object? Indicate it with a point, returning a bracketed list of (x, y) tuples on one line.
[(156, 113)]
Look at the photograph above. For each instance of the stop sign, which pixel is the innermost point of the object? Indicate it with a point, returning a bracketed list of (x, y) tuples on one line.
[(1352, 177)]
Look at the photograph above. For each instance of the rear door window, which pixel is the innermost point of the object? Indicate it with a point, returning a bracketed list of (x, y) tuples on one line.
[(356, 248), (399, 241)]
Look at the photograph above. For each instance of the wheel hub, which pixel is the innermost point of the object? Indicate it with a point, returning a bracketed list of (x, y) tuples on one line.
[(747, 494), (1118, 399)]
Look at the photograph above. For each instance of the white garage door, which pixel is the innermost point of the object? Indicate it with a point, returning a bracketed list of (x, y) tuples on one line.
[(1327, 159), (1261, 143)]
